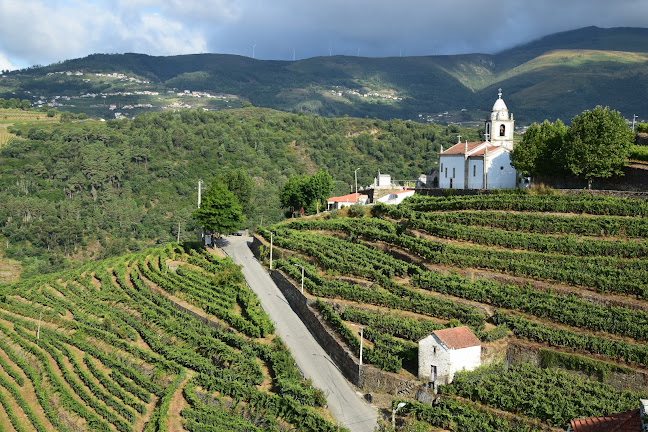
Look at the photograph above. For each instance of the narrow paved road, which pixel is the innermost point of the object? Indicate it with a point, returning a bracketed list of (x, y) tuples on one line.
[(346, 405)]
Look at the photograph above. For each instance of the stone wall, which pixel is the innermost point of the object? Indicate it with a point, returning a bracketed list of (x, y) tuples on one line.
[(635, 178), (634, 380), (635, 185), (367, 378)]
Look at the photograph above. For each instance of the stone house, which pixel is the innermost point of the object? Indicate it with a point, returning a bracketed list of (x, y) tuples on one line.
[(447, 351)]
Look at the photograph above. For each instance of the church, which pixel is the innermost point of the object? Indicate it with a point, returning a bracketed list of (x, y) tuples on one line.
[(482, 165)]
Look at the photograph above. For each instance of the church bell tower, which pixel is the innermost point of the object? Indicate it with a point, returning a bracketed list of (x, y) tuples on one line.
[(499, 128)]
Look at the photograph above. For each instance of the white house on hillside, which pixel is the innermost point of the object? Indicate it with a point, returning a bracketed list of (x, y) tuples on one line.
[(447, 351), (346, 201), (482, 165)]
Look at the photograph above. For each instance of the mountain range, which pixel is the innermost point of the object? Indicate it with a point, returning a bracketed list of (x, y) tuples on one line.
[(557, 76)]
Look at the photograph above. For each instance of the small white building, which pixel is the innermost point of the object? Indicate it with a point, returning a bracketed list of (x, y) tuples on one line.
[(334, 203), (482, 165), (383, 180), (395, 197), (447, 351)]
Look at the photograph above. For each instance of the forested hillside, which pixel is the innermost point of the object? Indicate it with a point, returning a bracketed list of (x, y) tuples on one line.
[(84, 190), (558, 76)]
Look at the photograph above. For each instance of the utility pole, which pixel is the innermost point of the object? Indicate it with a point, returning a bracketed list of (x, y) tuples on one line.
[(271, 236), (39, 325), (356, 184), (302, 282), (201, 234), (634, 118), (199, 191), (361, 341), (178, 240)]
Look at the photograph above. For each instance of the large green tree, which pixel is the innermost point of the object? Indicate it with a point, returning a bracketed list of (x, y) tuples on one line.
[(219, 212), (242, 186), (303, 193), (597, 144), (540, 151)]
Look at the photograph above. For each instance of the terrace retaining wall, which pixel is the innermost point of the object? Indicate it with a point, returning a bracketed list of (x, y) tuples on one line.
[(366, 377), (634, 380)]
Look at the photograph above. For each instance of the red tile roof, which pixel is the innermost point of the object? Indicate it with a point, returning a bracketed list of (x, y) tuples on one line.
[(457, 337), (481, 152), (460, 148), (347, 198), (629, 421)]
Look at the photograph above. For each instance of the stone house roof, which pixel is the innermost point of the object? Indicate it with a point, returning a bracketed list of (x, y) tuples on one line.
[(457, 337)]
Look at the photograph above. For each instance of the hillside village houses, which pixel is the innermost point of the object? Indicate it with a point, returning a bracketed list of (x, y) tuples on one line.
[(482, 165)]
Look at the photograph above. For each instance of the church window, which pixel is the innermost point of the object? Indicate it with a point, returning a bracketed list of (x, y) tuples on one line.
[(446, 173), (474, 170), (502, 168), (441, 167), (453, 173), (502, 130)]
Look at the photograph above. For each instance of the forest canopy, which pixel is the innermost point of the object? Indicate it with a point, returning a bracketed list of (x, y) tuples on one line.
[(82, 190)]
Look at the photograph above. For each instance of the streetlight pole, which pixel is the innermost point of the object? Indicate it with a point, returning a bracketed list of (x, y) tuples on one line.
[(356, 183), (394, 411), (302, 284), (271, 234)]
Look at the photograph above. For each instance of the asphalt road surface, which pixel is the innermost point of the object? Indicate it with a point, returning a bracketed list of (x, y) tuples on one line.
[(346, 405)]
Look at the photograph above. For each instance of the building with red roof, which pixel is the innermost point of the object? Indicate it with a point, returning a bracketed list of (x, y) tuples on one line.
[(346, 200), (483, 164), (629, 421), (447, 351)]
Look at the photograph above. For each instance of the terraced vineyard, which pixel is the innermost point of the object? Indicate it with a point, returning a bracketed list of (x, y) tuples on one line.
[(167, 340), (567, 275)]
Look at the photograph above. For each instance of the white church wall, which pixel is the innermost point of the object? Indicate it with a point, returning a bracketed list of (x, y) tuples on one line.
[(501, 175), (475, 173), (452, 175)]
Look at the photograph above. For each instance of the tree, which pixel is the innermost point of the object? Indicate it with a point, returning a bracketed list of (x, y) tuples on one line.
[(597, 144), (242, 186), (540, 151), (220, 211), (301, 194), (292, 194), (319, 188)]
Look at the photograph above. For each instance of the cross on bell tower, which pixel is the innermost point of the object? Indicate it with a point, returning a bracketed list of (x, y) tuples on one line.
[(499, 128)]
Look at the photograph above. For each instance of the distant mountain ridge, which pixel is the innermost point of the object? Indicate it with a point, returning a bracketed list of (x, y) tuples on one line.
[(557, 76)]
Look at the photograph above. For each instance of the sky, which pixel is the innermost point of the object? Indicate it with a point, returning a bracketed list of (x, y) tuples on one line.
[(41, 32)]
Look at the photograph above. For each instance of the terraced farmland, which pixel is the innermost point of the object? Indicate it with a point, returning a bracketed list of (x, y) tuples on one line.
[(566, 276), (167, 340)]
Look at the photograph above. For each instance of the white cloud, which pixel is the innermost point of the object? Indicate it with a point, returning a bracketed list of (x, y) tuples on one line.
[(5, 64), (41, 32)]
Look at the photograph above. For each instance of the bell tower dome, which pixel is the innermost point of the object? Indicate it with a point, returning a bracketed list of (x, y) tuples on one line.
[(499, 128)]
